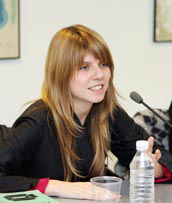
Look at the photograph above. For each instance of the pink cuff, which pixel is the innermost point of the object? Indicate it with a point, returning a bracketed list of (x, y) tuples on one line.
[(167, 175), (42, 184)]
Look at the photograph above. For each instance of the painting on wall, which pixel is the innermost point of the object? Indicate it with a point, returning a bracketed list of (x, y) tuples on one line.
[(163, 20), (9, 29)]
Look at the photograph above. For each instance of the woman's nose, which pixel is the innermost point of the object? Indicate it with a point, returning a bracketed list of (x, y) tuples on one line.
[(98, 73)]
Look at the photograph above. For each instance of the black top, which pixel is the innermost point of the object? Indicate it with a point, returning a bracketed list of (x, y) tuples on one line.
[(31, 149), (170, 133)]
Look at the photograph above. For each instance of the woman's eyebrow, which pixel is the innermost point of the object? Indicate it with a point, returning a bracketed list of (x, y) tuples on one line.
[(86, 62)]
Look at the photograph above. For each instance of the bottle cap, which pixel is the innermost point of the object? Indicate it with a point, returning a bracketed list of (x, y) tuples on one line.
[(142, 144)]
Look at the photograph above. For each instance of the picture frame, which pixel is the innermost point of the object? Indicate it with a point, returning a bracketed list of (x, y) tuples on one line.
[(9, 29), (162, 20)]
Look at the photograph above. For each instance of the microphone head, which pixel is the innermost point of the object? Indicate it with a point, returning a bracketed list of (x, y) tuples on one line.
[(136, 97)]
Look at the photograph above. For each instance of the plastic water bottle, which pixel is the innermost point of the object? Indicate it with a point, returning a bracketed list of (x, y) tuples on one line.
[(142, 175)]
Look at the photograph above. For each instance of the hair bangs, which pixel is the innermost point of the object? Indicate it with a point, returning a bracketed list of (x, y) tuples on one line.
[(90, 46)]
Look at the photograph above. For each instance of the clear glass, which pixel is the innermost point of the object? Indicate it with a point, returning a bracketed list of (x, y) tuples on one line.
[(109, 183)]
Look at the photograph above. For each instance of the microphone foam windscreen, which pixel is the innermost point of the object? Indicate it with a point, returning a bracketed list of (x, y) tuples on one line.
[(136, 97)]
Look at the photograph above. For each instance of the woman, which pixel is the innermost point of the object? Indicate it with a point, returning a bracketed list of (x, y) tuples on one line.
[(62, 140)]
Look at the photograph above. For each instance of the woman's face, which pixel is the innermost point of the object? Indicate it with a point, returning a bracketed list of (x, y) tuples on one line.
[(90, 82)]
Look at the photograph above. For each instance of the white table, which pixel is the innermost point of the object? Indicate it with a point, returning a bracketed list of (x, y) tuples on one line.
[(163, 194)]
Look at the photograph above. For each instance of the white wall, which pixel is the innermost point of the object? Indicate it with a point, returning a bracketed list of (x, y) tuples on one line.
[(127, 26)]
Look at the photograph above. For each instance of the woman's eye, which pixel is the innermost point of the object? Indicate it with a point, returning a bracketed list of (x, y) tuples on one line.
[(104, 65), (84, 68)]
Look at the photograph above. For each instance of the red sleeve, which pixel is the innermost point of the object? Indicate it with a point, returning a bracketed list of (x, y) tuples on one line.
[(167, 175), (42, 184)]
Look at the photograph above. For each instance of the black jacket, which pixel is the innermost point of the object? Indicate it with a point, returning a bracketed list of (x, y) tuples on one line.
[(170, 134), (31, 149)]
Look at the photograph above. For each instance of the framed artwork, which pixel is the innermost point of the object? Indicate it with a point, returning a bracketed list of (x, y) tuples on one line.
[(9, 29), (162, 20)]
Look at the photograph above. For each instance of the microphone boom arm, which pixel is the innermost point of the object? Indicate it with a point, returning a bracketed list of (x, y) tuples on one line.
[(138, 99), (170, 125)]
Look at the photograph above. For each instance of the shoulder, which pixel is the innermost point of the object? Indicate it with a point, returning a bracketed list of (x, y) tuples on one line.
[(37, 112), (117, 118), (118, 114), (121, 121)]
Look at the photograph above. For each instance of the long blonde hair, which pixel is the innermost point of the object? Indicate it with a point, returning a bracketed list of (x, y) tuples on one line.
[(66, 51)]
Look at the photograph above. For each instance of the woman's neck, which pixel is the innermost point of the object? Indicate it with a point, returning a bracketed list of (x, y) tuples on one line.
[(82, 113)]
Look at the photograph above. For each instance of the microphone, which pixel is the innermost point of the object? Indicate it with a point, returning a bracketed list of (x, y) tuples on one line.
[(138, 99)]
